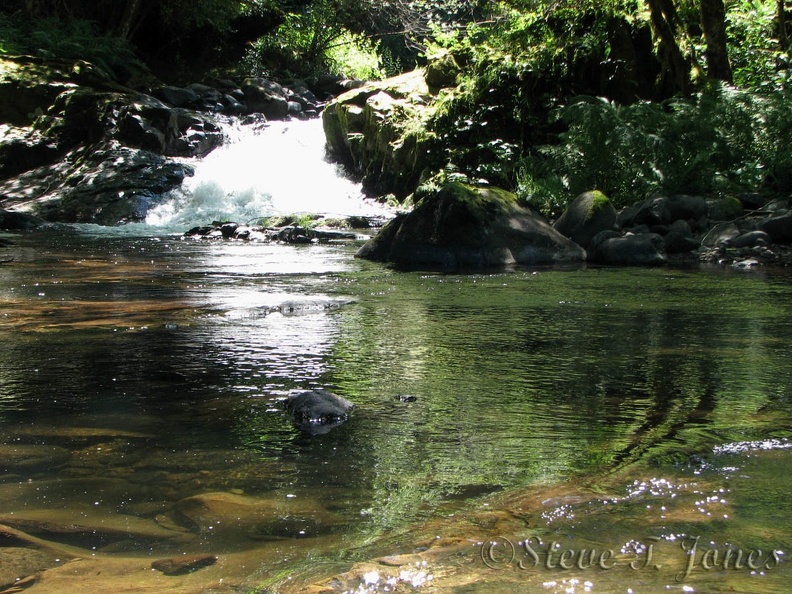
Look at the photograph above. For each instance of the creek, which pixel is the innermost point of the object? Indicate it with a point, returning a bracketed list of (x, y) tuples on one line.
[(600, 409)]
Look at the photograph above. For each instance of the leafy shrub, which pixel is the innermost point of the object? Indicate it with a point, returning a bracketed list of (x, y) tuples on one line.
[(312, 42), (721, 140), (72, 39)]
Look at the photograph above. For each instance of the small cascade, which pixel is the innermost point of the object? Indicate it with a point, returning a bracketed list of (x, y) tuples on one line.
[(278, 168)]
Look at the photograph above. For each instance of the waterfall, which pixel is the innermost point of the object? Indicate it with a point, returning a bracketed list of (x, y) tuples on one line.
[(279, 168)]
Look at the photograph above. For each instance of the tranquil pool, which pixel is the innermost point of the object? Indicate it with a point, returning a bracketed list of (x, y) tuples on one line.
[(139, 419)]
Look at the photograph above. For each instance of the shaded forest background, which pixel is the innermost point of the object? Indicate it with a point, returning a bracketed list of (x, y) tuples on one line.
[(549, 98)]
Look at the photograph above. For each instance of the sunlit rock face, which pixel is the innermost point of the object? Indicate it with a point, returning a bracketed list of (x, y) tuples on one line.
[(365, 130), (462, 226)]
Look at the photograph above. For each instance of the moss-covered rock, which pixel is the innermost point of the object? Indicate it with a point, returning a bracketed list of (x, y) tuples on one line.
[(378, 132), (442, 71), (587, 215), (725, 209), (462, 226)]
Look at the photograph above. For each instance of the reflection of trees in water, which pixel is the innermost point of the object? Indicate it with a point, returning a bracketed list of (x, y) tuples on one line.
[(517, 387)]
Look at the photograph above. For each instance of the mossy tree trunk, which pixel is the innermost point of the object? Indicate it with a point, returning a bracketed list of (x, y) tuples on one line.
[(713, 23), (676, 70)]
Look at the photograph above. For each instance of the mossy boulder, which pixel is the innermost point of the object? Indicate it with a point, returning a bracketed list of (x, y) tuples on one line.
[(462, 226), (587, 215), (725, 209), (442, 71), (378, 132)]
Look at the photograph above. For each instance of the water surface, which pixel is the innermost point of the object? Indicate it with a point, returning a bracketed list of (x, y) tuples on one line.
[(155, 365)]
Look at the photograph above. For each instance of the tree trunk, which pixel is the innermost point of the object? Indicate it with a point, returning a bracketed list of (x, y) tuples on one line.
[(782, 26), (675, 69), (713, 22), (129, 19)]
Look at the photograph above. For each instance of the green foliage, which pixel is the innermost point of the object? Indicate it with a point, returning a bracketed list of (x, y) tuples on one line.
[(758, 61), (72, 39), (721, 140), (313, 41)]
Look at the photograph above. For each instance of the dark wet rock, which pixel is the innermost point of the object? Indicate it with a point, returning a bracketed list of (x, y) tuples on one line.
[(293, 234), (721, 234), (628, 250), (725, 209), (183, 565), (18, 221), (687, 208), (750, 239), (679, 238), (778, 228), (232, 105), (653, 211), (314, 409), (753, 200), (149, 124), (289, 233), (587, 215), (265, 97), (22, 149), (176, 96), (406, 398), (463, 226), (19, 458), (108, 185)]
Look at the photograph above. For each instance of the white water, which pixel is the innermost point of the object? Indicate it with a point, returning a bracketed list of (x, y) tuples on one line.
[(278, 169)]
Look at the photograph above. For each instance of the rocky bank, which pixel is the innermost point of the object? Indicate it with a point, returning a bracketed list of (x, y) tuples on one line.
[(78, 146)]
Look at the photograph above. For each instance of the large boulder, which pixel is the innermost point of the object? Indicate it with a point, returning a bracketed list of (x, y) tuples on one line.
[(374, 131), (265, 97), (105, 184), (18, 221), (687, 208), (627, 250), (680, 239), (587, 215), (22, 149), (778, 228), (463, 226), (725, 209)]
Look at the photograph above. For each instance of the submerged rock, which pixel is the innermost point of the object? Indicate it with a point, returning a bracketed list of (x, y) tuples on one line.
[(19, 563), (463, 226), (277, 516), (183, 565), (32, 457)]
